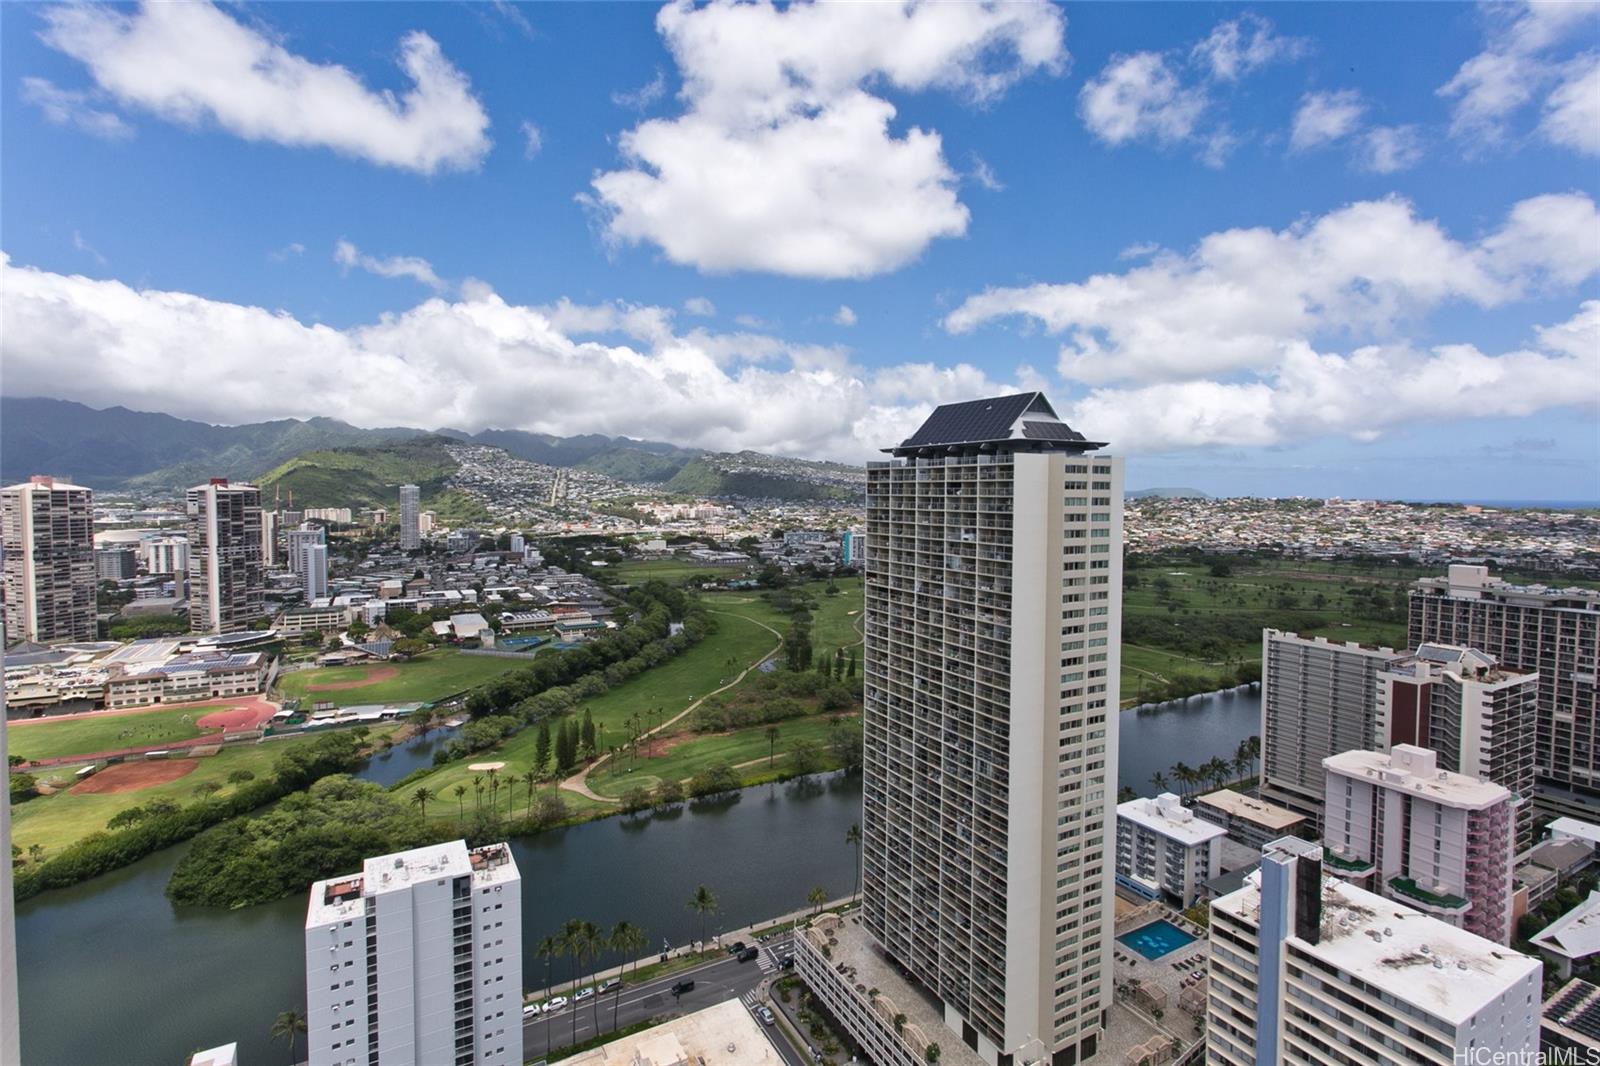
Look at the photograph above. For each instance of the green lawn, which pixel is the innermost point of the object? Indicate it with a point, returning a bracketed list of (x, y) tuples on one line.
[(57, 820), (688, 757), (672, 571), (832, 623), (47, 739), (428, 677)]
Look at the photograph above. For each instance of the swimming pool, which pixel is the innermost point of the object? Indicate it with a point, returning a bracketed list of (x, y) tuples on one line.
[(1156, 939)]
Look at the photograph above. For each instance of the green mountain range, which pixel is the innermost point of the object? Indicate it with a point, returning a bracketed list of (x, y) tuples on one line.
[(371, 476)]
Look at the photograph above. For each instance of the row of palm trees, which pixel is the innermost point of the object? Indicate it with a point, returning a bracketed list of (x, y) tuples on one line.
[(490, 781), (582, 941), (1216, 772)]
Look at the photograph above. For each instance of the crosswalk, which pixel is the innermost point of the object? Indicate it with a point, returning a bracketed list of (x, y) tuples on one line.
[(769, 964), (750, 1000)]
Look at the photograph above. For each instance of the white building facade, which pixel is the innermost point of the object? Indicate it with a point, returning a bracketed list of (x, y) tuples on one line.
[(1164, 851), (47, 540), (417, 961), (410, 514)]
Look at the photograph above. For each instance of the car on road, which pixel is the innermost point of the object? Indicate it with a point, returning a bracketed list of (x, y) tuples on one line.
[(766, 1016), (736, 947), (555, 1004), (611, 985), (530, 1010), (681, 987), (749, 954), (583, 994)]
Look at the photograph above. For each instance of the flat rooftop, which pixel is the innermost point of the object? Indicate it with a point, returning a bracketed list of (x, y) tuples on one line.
[(724, 1035), (1249, 809), (338, 899), (1418, 959), (1167, 816), (1414, 770)]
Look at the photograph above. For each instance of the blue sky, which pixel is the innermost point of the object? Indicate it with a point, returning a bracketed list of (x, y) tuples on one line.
[(1321, 249)]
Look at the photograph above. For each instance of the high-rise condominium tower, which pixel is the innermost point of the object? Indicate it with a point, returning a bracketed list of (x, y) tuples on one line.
[(47, 537), (225, 569), (410, 504), (993, 612), (417, 961), (1554, 632)]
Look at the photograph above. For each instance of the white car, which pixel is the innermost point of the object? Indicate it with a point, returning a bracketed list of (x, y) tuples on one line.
[(530, 1010), (583, 994), (555, 1004)]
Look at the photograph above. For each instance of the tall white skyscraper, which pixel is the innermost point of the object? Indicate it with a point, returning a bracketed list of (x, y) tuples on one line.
[(410, 509), (297, 541), (166, 555), (993, 614), (269, 538), (226, 578), (314, 571), (417, 961), (47, 539)]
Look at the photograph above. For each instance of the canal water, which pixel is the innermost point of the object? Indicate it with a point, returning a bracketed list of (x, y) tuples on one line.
[(113, 973)]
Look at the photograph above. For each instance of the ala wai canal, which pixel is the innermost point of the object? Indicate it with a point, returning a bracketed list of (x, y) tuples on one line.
[(113, 973)]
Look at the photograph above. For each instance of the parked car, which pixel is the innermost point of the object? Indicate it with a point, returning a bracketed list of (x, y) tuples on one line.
[(555, 1004), (611, 985), (681, 987), (583, 994), (766, 1016), (786, 963), (530, 1010), (749, 954), (736, 947)]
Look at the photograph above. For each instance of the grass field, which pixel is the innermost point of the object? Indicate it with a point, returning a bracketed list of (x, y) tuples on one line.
[(427, 677), (46, 739), (682, 759), (832, 623), (672, 571), (57, 820)]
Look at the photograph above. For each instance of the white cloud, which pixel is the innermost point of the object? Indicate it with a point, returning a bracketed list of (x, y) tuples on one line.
[(532, 140), (984, 175), (512, 13), (1325, 117), (293, 248), (699, 305), (1513, 69), (66, 107), (1138, 97), (783, 160), (1243, 296), (88, 249), (475, 362), (190, 63), (844, 316), (1572, 111), (1244, 45), (420, 270), (1389, 149), (641, 98), (1362, 395)]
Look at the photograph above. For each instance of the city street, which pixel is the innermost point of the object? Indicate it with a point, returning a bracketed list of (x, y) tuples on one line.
[(714, 981)]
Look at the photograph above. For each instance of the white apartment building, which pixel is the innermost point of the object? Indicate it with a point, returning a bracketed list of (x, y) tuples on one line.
[(417, 961), (993, 613), (1164, 851), (1318, 698), (1307, 970), (47, 543), (269, 538), (1481, 720), (410, 516), (297, 541), (226, 577), (1440, 842), (1553, 633), (314, 571), (426, 521), (166, 555)]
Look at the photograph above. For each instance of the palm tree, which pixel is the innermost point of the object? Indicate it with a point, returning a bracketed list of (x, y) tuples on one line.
[(1255, 753), (626, 939), (285, 1026), (421, 797), (852, 836), (772, 742), (461, 809), (531, 778), (549, 948), (816, 897), (583, 943), (704, 904), (477, 791), (494, 789), (1183, 776), (1159, 780)]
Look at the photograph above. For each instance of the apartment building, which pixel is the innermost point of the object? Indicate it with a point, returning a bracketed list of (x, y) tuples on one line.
[(1554, 633), (118, 562), (47, 542), (410, 515), (269, 538), (1481, 720), (993, 613), (1440, 842), (1164, 851), (167, 555), (314, 571), (226, 578), (1250, 821), (1318, 698), (1308, 970), (417, 961)]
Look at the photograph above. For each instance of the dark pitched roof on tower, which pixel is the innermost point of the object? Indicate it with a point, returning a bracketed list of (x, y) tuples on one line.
[(1025, 420)]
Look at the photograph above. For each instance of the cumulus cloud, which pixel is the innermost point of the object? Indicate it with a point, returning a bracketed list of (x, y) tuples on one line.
[(1325, 117), (67, 107), (1243, 296), (1572, 111), (699, 305), (475, 362), (192, 64), (844, 316), (1517, 65), (783, 160), (1166, 97), (1390, 149), (417, 269)]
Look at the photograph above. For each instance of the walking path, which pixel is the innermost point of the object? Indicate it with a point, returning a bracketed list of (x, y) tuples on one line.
[(578, 782)]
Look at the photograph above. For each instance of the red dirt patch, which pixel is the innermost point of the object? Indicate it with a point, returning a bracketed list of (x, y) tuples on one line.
[(375, 674), (133, 776), (235, 719)]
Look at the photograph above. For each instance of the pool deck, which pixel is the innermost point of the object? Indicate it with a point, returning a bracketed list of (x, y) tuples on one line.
[(1161, 974), (1171, 938)]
